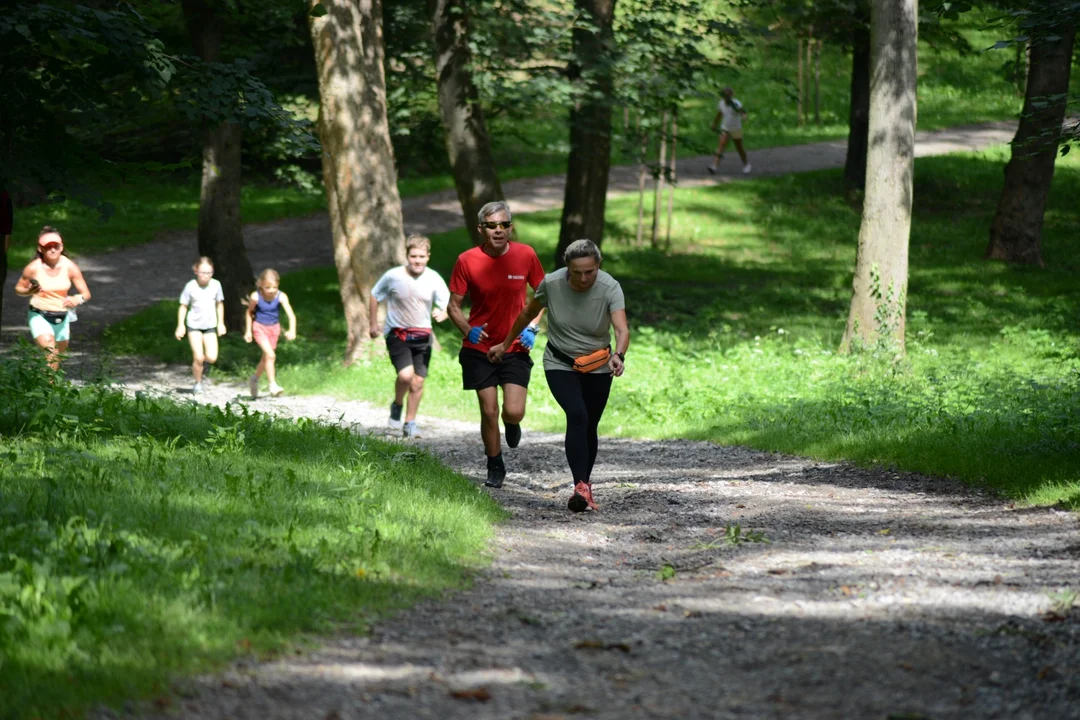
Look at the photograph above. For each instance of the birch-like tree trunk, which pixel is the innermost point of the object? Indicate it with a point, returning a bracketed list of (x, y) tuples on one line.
[(358, 159), (467, 140), (587, 169), (878, 303), (220, 233), (1016, 232), (661, 176)]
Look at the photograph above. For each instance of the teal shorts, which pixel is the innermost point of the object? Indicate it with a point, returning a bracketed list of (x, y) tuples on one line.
[(40, 326)]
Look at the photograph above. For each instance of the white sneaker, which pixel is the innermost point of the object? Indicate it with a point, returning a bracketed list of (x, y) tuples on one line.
[(410, 430), (276, 390), (746, 169), (197, 389), (253, 386)]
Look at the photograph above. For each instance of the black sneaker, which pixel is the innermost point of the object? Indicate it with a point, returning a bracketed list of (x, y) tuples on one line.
[(513, 435), (395, 416), (495, 477)]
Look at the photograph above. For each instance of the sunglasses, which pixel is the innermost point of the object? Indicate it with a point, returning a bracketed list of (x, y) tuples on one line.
[(505, 225)]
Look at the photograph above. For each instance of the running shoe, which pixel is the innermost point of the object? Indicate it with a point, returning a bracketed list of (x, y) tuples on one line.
[(495, 477), (582, 499), (276, 389), (395, 416), (513, 435), (253, 386), (196, 389), (746, 169), (410, 430), (711, 169)]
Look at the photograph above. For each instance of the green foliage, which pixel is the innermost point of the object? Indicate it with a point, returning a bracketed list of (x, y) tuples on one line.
[(736, 330), (140, 538)]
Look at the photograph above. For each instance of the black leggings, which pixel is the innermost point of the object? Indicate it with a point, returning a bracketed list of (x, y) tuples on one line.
[(583, 397)]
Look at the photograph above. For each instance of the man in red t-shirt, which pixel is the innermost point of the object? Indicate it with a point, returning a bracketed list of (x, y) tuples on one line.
[(494, 277)]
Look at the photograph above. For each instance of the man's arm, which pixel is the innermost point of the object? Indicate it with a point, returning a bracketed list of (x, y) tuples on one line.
[(457, 315), (373, 318), (529, 313)]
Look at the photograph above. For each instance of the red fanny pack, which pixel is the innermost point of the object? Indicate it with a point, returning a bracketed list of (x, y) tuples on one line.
[(412, 334)]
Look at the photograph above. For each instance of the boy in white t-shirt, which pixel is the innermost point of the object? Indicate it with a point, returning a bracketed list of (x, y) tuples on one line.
[(410, 292), (729, 117)]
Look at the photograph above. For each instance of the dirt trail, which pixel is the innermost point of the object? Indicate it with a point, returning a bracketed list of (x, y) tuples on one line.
[(878, 593), (118, 279)]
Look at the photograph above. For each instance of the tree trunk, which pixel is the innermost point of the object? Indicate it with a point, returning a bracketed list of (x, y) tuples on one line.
[(467, 140), (358, 159), (878, 303), (643, 174), (671, 186), (799, 84), (859, 112), (1016, 232), (220, 233), (817, 82), (590, 127), (661, 167)]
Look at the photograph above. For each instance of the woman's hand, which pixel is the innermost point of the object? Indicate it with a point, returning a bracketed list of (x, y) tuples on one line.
[(290, 334), (181, 331), (496, 352), (617, 365), (221, 329), (247, 336)]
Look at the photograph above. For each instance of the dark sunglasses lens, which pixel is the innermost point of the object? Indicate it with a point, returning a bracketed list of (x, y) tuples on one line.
[(504, 225)]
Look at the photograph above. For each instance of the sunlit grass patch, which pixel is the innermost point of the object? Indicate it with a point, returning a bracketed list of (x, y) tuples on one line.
[(143, 538)]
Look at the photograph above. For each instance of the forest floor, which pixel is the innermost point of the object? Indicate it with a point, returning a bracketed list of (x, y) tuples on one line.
[(714, 581)]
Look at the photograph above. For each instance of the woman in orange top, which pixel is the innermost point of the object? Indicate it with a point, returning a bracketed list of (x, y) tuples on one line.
[(46, 281)]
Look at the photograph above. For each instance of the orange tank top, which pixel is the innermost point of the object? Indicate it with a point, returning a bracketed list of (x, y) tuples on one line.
[(55, 284)]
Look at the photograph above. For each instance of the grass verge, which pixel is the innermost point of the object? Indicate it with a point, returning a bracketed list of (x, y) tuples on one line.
[(141, 538), (737, 322)]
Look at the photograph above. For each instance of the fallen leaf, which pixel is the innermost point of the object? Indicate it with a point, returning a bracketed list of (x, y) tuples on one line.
[(740, 505), (590, 644), (778, 571), (478, 694), (885, 531), (661, 608), (1046, 672)]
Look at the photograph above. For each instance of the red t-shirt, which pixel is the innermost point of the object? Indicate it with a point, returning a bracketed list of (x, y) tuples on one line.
[(496, 287)]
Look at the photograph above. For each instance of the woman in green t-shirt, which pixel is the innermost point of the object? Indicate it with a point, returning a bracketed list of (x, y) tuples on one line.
[(584, 303)]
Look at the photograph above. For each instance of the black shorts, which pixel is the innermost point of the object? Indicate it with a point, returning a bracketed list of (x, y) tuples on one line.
[(416, 352), (477, 372)]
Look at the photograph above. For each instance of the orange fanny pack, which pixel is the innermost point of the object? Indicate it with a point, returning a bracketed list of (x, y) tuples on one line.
[(583, 363)]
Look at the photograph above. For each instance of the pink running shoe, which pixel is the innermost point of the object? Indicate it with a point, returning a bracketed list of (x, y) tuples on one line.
[(582, 499)]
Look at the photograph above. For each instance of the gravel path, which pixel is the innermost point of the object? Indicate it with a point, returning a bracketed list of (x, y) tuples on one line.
[(879, 595)]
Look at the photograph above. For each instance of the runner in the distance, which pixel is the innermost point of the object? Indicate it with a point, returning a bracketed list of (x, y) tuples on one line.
[(410, 291), (729, 116), (494, 277)]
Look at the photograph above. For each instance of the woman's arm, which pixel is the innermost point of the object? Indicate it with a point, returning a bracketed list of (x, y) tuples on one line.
[(27, 284), (82, 291), (622, 341), (181, 316), (527, 315), (290, 334)]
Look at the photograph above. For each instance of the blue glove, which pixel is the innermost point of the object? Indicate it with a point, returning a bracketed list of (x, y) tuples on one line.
[(528, 337), (474, 334)]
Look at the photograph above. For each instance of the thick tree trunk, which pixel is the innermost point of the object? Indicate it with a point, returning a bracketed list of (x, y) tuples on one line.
[(358, 159), (467, 141), (590, 127), (878, 303), (859, 112), (220, 234), (1016, 232)]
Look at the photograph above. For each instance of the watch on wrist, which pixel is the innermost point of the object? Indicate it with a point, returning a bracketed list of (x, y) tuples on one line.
[(622, 356)]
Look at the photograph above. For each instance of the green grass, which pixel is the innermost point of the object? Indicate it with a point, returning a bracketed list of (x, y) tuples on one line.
[(736, 328), (142, 539), (953, 90)]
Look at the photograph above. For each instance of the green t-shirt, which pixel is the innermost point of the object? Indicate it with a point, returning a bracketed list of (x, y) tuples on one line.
[(579, 322)]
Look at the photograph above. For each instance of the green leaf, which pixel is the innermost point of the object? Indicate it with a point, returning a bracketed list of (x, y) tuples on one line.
[(318, 11)]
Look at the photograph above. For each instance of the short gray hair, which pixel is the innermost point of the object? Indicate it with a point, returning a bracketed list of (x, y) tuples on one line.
[(491, 208), (581, 249)]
